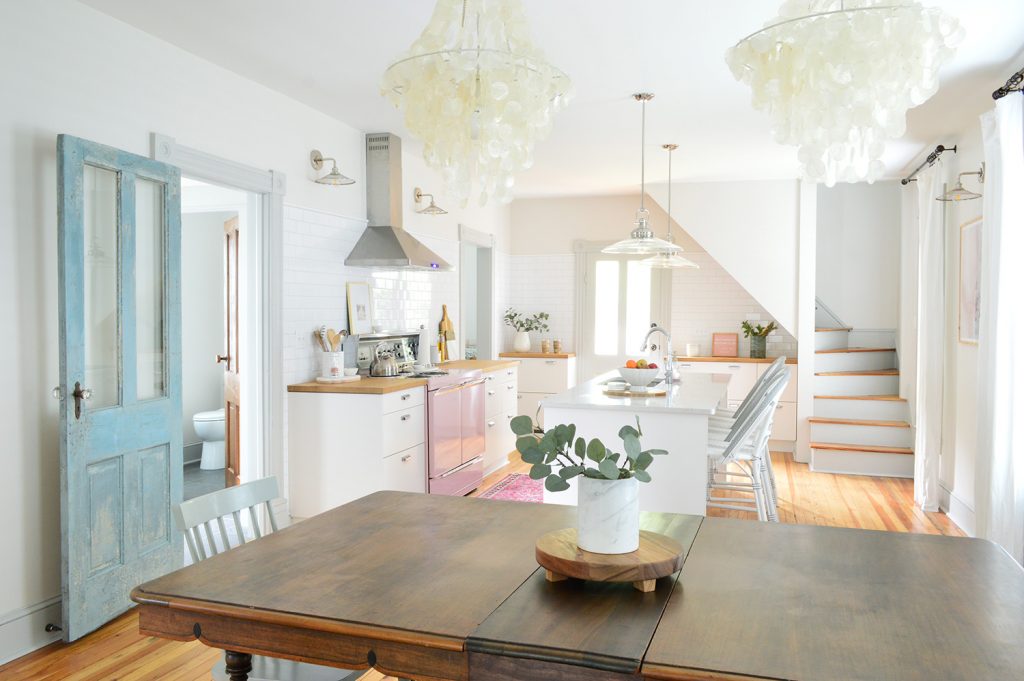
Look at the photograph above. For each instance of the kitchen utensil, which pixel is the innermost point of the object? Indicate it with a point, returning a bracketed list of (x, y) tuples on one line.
[(326, 344), (446, 328), (384, 363), (319, 340), (334, 339)]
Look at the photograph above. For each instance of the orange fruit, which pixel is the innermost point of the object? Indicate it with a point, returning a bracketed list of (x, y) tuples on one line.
[(631, 364)]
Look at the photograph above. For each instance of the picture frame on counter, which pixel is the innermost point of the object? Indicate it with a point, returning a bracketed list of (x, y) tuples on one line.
[(360, 312), (725, 345)]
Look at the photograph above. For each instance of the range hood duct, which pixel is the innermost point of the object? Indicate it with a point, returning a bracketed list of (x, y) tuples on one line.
[(384, 244)]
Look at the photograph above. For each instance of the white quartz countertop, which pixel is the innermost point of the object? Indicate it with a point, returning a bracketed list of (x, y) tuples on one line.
[(696, 393)]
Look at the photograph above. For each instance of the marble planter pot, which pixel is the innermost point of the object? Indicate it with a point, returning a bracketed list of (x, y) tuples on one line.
[(521, 342), (608, 515)]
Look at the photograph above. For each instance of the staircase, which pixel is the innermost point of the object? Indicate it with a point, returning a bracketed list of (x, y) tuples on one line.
[(860, 423)]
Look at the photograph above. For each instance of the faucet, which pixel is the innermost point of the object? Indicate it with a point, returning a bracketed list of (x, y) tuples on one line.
[(670, 365)]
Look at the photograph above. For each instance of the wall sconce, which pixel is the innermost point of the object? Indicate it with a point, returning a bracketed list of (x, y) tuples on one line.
[(432, 209), (959, 192), (334, 178)]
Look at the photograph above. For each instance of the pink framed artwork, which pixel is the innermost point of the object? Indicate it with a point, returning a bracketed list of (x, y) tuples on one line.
[(725, 345)]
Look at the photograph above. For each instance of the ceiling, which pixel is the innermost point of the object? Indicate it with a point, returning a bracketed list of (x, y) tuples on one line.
[(330, 54)]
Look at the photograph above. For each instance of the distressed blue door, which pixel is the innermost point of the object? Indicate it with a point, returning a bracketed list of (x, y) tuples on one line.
[(119, 248)]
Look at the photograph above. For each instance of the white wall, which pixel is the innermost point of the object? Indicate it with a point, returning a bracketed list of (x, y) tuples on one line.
[(858, 250), (960, 398), (543, 275), (70, 69), (202, 317)]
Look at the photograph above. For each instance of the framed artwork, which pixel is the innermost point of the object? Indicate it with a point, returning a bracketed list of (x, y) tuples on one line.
[(725, 345), (970, 281), (360, 316)]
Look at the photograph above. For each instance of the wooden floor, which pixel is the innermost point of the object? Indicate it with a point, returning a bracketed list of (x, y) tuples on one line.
[(118, 652)]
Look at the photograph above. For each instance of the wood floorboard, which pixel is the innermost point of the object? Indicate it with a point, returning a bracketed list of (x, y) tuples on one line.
[(118, 651)]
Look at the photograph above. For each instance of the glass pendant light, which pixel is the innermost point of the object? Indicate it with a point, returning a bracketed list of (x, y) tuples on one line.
[(961, 193), (669, 260), (641, 240)]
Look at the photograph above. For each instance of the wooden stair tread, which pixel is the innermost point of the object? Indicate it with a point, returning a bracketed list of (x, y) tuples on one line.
[(823, 329), (873, 449), (886, 398), (859, 422), (863, 372), (838, 351)]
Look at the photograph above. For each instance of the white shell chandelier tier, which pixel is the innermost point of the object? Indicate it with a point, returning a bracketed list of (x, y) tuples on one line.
[(838, 76), (478, 94)]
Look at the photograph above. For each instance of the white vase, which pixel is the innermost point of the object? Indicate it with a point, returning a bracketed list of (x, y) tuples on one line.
[(521, 342), (608, 515)]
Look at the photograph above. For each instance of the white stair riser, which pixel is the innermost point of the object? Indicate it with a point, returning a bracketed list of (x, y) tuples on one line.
[(830, 340), (862, 463), (887, 410), (861, 435), (856, 385), (855, 361)]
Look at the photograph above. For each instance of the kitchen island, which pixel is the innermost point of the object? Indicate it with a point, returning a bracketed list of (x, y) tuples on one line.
[(676, 422)]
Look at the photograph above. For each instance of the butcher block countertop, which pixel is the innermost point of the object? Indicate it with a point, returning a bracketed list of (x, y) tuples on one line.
[(378, 386), (364, 386), (481, 364), (734, 360), (538, 355)]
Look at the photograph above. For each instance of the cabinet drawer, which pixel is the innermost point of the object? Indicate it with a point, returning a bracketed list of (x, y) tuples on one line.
[(405, 471), (527, 404), (784, 425), (509, 396), (501, 441), (403, 429), (743, 375), (494, 398), (402, 399), (537, 375)]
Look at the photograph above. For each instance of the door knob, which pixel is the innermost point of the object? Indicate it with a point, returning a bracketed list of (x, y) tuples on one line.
[(223, 358), (80, 394)]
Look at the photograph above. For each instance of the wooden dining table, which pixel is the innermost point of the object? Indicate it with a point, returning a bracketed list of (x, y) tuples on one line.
[(436, 588)]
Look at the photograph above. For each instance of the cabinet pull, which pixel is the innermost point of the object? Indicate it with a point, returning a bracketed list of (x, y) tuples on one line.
[(406, 457), (686, 366), (550, 361), (509, 372), (406, 396), (734, 366), (489, 378), (778, 406), (490, 424), (405, 417), (492, 392), (509, 387)]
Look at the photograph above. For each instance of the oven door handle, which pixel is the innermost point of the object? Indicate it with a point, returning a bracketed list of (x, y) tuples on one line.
[(470, 384)]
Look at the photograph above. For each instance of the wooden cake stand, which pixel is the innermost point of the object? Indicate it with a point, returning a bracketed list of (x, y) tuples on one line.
[(658, 556)]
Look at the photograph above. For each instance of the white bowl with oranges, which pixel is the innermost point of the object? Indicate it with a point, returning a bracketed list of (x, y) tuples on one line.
[(639, 373)]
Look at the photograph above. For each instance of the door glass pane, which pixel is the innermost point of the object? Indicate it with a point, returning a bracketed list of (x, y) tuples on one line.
[(102, 372), (149, 288), (606, 307), (638, 304)]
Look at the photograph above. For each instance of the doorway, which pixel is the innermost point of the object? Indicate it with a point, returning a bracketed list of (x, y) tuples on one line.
[(213, 222), (476, 294), (619, 299)]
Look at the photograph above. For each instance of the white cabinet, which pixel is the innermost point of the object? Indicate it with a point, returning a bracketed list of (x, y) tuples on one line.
[(500, 387), (540, 377), (343, 446), (743, 376)]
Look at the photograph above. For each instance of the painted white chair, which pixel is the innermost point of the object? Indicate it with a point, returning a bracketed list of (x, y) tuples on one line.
[(217, 522), (744, 453), (725, 418)]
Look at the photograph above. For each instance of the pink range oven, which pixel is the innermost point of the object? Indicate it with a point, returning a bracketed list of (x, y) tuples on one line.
[(456, 437)]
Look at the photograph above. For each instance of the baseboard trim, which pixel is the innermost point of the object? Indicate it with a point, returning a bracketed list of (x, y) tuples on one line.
[(192, 453), (24, 630), (958, 511)]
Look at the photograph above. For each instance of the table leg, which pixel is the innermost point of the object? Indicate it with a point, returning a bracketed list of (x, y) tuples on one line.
[(237, 665)]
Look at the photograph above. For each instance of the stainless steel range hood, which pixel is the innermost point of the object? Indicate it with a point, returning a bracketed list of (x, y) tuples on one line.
[(384, 244)]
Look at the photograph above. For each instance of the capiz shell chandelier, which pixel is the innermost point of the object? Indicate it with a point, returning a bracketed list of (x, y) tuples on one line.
[(837, 77), (478, 94)]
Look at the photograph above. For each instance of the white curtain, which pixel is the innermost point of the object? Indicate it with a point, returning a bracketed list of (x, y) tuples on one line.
[(931, 333), (999, 494)]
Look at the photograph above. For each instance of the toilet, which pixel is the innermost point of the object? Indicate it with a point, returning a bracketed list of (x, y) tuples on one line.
[(209, 427)]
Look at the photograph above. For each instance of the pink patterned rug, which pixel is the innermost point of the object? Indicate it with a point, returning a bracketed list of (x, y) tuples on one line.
[(517, 487)]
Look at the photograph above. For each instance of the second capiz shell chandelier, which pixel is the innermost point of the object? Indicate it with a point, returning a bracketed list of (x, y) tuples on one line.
[(838, 76), (478, 93)]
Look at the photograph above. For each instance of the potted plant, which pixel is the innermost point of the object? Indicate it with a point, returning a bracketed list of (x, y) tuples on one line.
[(523, 326), (608, 508), (758, 336)]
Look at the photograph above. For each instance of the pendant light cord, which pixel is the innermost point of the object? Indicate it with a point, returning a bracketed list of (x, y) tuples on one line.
[(670, 195), (643, 142)]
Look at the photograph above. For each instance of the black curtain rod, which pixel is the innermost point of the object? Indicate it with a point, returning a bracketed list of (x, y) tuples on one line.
[(931, 159), (1013, 84)]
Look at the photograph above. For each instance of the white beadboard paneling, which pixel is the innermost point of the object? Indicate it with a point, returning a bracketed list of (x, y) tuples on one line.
[(708, 300)]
